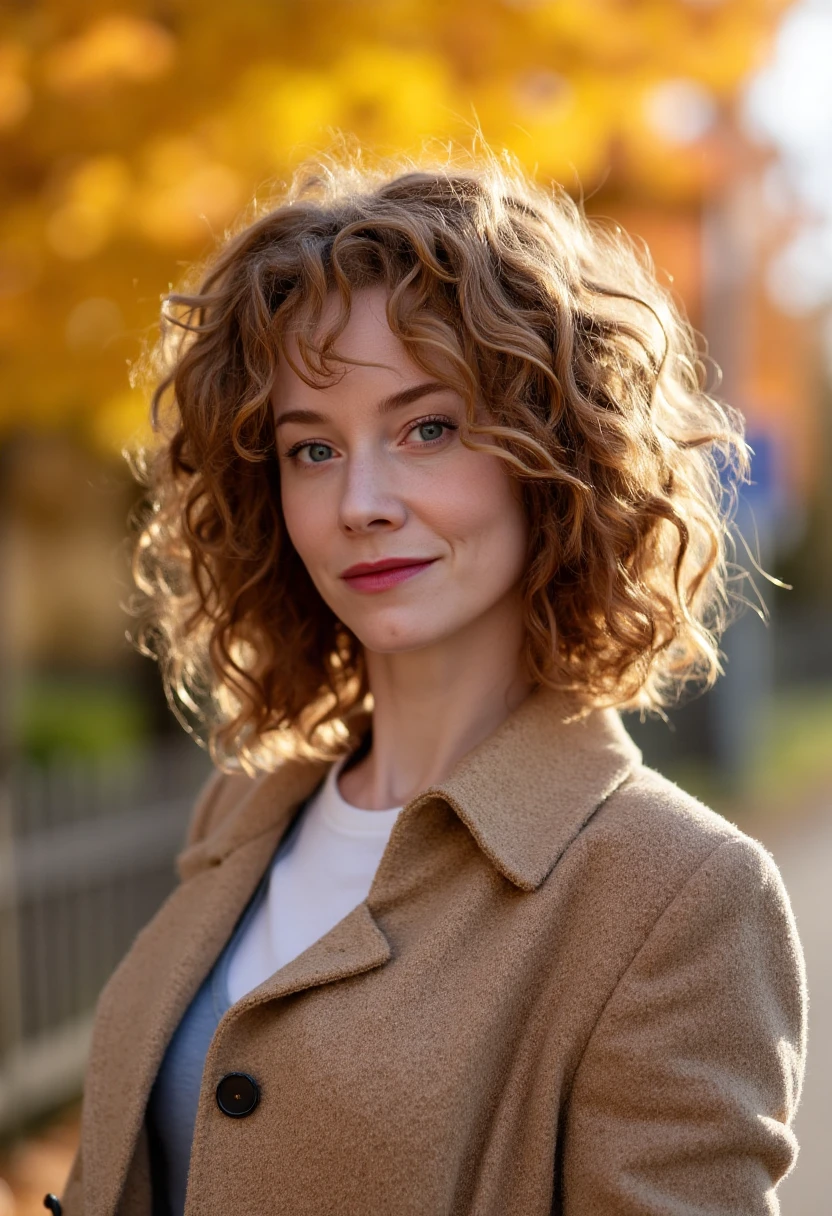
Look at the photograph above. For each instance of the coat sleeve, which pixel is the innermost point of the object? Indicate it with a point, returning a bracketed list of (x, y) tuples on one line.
[(684, 1098)]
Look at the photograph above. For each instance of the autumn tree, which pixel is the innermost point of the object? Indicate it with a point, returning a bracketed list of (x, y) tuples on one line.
[(131, 138)]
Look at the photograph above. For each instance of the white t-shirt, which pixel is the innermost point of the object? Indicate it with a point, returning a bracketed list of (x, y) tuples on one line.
[(326, 870)]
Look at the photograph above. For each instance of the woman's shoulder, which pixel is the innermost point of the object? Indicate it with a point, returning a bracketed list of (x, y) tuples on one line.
[(698, 1052), (656, 834), (221, 792), (233, 807)]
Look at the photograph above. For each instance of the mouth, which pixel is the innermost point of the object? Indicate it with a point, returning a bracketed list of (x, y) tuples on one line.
[(378, 576)]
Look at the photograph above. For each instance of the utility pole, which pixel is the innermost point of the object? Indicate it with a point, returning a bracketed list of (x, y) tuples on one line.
[(729, 238)]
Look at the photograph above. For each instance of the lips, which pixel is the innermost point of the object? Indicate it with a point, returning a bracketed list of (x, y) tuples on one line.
[(389, 563), (371, 578)]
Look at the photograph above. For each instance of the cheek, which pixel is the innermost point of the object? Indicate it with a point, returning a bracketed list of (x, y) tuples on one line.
[(480, 510), (306, 520)]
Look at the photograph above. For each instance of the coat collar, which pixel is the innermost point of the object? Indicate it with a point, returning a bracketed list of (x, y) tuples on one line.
[(524, 792), (527, 790)]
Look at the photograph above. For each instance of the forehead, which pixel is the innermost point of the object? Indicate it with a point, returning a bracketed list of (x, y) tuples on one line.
[(367, 338)]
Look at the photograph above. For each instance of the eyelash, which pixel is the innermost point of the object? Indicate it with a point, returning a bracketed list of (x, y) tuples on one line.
[(297, 448)]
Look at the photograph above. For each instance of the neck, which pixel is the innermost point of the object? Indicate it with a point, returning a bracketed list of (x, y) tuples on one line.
[(432, 705)]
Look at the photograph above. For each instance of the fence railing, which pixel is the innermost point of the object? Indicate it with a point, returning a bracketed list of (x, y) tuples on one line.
[(86, 858)]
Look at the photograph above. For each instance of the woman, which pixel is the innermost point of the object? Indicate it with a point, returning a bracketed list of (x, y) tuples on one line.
[(438, 493)]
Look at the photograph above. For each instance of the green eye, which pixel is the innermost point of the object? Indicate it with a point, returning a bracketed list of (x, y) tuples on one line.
[(435, 427), (315, 450)]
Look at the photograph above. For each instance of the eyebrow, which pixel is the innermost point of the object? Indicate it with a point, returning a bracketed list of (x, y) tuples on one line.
[(395, 401)]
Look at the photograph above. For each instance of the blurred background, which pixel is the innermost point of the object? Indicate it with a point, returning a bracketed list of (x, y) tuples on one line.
[(131, 135)]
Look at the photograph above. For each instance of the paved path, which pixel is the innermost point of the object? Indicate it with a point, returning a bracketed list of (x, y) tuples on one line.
[(805, 861)]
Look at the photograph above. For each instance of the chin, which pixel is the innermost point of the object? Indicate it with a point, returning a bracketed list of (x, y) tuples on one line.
[(398, 638)]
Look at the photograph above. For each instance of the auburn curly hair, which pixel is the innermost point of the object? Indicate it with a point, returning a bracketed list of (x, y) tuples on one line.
[(595, 395)]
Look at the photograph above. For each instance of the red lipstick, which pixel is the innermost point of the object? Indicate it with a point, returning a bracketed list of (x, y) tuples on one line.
[(378, 576)]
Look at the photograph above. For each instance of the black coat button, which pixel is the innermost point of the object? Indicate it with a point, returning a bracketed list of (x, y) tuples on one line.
[(237, 1094), (53, 1203)]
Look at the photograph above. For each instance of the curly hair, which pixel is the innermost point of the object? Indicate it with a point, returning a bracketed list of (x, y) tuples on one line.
[(595, 398)]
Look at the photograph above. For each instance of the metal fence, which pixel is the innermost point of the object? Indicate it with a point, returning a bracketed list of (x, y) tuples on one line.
[(86, 858)]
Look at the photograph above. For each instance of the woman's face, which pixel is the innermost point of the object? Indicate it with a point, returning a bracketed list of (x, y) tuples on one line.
[(371, 469)]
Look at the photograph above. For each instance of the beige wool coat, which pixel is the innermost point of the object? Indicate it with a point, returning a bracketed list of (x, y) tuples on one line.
[(571, 989)]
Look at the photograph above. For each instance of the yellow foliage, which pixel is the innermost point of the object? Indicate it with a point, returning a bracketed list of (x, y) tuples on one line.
[(397, 97), (564, 137), (113, 49), (183, 195), (132, 138), (279, 113), (95, 197), (121, 422), (15, 93)]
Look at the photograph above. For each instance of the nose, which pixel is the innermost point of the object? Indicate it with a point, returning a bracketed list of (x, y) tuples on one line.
[(370, 497)]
